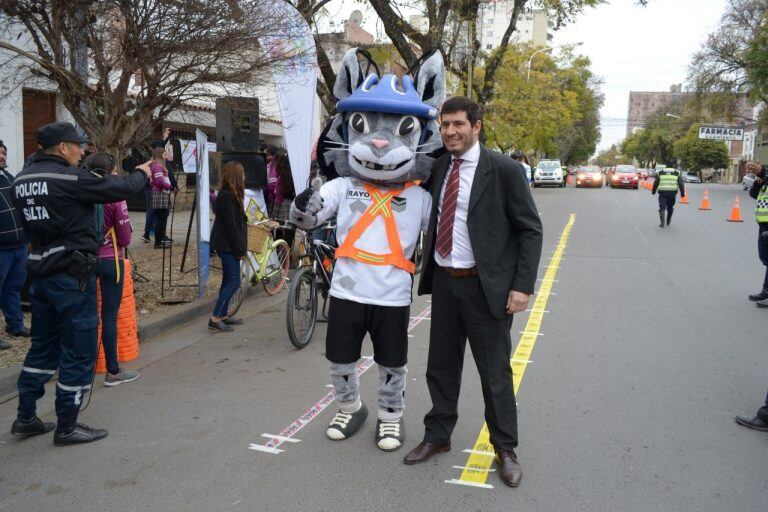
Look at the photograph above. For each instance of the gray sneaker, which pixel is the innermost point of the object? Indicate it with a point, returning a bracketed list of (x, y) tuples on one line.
[(122, 376)]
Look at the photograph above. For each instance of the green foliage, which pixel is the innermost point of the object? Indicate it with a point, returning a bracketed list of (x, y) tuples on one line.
[(756, 62), (554, 113), (697, 154), (611, 157)]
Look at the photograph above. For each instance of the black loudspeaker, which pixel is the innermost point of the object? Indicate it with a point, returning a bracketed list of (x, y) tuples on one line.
[(237, 124), (254, 164)]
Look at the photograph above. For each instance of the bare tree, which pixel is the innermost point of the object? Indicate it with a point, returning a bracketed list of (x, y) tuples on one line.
[(146, 58), (719, 71)]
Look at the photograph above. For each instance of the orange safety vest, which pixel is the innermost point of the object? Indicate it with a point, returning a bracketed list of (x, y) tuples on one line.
[(381, 206)]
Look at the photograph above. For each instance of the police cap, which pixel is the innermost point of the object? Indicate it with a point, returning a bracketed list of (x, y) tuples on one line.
[(54, 133)]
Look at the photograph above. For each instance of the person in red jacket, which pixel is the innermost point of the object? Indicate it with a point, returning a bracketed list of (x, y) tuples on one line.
[(116, 237)]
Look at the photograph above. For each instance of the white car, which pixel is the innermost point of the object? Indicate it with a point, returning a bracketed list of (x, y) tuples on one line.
[(691, 178), (748, 181), (549, 172)]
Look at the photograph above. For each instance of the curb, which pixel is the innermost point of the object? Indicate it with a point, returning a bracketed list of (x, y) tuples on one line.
[(151, 327)]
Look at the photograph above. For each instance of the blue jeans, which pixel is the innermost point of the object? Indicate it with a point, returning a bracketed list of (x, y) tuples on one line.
[(64, 336), (13, 272), (111, 297), (230, 282), (149, 222)]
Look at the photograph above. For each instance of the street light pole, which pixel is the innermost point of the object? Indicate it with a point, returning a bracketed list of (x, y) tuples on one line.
[(528, 76)]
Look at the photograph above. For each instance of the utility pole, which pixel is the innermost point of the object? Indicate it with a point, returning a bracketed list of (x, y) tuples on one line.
[(470, 54)]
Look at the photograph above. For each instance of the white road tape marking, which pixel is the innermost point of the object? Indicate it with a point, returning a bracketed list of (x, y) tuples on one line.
[(266, 449), (468, 484), (479, 452), (282, 439), (475, 469)]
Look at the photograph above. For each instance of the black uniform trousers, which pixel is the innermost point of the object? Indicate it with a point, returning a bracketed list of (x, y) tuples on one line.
[(64, 337), (667, 201), (460, 311)]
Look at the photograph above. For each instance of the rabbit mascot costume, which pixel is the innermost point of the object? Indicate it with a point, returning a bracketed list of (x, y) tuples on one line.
[(379, 145)]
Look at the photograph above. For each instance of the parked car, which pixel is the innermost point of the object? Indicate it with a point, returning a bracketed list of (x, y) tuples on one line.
[(748, 181), (624, 176), (589, 176), (549, 172), (691, 177)]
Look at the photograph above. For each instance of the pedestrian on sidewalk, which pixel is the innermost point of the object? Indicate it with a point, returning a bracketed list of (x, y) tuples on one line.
[(286, 196), (757, 422), (273, 189), (228, 240), (116, 237), (667, 183), (759, 191), (56, 199), (477, 282), (13, 255), (161, 196)]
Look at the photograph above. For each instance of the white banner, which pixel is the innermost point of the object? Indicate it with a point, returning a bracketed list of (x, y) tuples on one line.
[(295, 83), (203, 213), (189, 154)]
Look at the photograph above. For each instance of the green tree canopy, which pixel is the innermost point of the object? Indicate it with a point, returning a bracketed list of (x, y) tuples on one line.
[(697, 154)]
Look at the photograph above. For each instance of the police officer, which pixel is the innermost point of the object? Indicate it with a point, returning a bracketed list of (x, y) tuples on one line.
[(759, 191), (55, 199), (667, 183)]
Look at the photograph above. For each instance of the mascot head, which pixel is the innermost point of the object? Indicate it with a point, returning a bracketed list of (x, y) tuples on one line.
[(386, 126)]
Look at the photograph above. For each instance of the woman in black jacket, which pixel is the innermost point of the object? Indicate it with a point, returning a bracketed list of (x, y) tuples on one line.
[(228, 240)]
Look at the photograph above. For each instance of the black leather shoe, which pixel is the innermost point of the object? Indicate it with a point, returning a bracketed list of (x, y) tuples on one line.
[(33, 427), (754, 423), (219, 326), (4, 345), (233, 321), (759, 296), (424, 451), (23, 333), (509, 469), (79, 435)]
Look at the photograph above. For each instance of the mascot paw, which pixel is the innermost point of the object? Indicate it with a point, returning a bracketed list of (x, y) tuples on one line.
[(306, 206), (390, 434), (345, 424)]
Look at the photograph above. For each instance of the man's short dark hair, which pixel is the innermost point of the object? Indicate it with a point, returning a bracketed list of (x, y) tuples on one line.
[(2, 145), (463, 104)]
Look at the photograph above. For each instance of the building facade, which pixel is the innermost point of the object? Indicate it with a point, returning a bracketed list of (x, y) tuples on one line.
[(533, 26)]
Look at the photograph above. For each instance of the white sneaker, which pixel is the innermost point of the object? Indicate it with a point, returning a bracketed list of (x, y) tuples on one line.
[(120, 377), (345, 424), (390, 434)]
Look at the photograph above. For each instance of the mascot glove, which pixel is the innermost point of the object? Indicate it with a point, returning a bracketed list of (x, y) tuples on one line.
[(306, 206)]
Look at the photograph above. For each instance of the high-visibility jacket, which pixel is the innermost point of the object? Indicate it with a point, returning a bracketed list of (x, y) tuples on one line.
[(761, 209), (668, 181), (381, 206)]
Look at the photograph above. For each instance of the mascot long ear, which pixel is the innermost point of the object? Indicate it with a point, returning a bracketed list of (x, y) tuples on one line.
[(351, 74), (429, 77)]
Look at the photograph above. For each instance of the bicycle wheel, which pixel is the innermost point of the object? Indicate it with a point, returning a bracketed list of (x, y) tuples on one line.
[(301, 308), (237, 299), (277, 267)]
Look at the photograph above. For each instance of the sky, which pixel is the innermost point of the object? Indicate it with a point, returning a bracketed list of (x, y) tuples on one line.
[(631, 47)]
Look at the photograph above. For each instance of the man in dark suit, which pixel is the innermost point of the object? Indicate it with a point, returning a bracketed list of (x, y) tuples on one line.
[(482, 254)]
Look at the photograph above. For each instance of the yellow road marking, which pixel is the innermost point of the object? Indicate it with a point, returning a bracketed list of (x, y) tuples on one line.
[(479, 462)]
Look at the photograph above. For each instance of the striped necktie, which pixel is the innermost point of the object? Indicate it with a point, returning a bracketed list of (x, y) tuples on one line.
[(448, 211)]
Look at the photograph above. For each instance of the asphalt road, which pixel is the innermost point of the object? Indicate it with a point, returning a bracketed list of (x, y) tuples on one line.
[(648, 349)]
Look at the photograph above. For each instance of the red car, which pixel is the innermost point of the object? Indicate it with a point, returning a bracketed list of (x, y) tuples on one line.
[(643, 173), (589, 176), (624, 176)]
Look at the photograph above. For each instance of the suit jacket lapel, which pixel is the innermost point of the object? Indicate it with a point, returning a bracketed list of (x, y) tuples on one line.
[(482, 177)]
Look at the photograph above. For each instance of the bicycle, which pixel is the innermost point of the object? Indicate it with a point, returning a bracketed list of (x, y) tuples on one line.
[(312, 278), (266, 262)]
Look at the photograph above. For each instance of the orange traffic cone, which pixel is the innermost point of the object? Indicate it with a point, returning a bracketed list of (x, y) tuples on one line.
[(705, 201), (684, 199), (735, 211)]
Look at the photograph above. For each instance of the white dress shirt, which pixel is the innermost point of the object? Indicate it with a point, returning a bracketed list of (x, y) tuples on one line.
[(461, 253)]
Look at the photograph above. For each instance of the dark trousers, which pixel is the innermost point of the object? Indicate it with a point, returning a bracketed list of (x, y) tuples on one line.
[(762, 251), (111, 297), (667, 202), (13, 272), (161, 221), (149, 223), (64, 331), (460, 311), (230, 282)]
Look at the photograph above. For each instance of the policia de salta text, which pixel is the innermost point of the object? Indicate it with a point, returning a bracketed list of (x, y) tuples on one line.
[(55, 200), (667, 183)]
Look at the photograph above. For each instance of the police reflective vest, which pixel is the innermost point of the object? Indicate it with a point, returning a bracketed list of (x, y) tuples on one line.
[(761, 210), (380, 207), (668, 181)]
